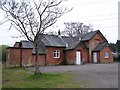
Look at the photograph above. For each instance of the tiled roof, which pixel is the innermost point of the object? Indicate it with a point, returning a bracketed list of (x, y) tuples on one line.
[(28, 44), (61, 41), (71, 41), (52, 40), (100, 46), (89, 35)]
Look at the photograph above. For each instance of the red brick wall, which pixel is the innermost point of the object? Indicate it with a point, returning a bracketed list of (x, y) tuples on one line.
[(102, 57), (87, 43), (97, 38), (70, 56), (41, 59), (27, 57), (50, 60), (13, 57), (93, 43), (84, 53)]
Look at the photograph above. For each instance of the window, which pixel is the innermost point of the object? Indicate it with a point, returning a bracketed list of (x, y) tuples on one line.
[(106, 54), (57, 54)]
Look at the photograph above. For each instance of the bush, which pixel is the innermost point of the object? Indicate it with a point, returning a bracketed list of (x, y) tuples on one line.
[(3, 53), (64, 62), (118, 59)]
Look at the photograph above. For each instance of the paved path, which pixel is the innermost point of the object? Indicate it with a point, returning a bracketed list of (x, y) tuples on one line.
[(94, 75)]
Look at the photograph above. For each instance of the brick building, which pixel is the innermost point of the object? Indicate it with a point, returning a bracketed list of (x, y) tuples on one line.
[(89, 48)]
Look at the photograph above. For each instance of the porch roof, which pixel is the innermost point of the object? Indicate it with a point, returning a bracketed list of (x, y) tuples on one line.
[(100, 46)]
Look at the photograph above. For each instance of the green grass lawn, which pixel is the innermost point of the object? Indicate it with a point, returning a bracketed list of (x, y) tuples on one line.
[(0, 76), (22, 78)]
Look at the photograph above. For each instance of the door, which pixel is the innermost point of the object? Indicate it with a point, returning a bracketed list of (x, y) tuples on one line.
[(78, 57), (95, 57)]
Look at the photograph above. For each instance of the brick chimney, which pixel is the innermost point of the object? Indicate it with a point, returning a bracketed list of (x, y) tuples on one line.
[(59, 34)]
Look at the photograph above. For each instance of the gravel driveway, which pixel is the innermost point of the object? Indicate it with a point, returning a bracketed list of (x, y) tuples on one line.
[(94, 75)]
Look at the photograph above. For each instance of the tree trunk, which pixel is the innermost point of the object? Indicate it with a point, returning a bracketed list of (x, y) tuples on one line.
[(37, 71)]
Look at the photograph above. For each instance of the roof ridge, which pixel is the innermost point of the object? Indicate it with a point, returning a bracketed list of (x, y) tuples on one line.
[(101, 42), (91, 32), (24, 41), (89, 35)]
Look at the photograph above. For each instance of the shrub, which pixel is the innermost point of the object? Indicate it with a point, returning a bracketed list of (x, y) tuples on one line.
[(3, 53), (64, 62)]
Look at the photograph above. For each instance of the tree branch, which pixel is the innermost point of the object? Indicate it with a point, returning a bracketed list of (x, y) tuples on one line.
[(30, 24)]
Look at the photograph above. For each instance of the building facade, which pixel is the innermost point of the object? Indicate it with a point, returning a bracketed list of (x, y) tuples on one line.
[(89, 48)]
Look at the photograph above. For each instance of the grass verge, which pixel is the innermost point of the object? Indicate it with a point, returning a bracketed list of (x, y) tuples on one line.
[(22, 78), (0, 76)]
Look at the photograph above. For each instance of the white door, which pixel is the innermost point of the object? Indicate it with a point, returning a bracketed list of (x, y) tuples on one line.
[(95, 57), (78, 57)]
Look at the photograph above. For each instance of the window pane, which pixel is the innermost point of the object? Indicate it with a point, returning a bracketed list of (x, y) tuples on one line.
[(106, 54), (56, 53)]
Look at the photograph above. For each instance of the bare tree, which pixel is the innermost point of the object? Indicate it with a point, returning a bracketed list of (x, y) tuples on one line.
[(31, 18), (51, 32), (76, 29)]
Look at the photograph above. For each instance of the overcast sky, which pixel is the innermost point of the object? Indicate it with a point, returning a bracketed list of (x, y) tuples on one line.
[(102, 14)]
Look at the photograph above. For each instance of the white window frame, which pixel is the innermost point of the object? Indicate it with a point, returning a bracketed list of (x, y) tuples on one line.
[(106, 54), (56, 54)]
